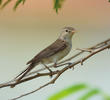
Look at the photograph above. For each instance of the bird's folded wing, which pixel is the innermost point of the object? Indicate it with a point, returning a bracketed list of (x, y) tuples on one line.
[(57, 46)]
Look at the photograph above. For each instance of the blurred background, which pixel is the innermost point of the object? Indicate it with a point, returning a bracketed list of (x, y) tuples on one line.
[(35, 25)]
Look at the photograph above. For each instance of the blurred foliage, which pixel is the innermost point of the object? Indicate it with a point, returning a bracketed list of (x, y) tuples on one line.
[(18, 2), (91, 93), (0, 2), (77, 88), (68, 91), (3, 4), (57, 3)]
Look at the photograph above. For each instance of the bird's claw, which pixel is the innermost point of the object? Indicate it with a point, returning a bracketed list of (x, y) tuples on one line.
[(55, 65), (69, 64), (51, 74)]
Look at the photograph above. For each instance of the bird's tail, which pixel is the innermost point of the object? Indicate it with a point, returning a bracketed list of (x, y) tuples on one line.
[(23, 73)]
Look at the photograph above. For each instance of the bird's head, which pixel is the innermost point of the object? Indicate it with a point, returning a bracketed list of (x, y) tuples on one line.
[(67, 33)]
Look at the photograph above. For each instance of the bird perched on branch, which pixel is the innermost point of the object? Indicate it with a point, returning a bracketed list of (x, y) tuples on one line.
[(53, 53)]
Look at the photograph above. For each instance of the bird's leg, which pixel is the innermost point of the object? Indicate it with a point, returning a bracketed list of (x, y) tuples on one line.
[(85, 49), (55, 66), (48, 70)]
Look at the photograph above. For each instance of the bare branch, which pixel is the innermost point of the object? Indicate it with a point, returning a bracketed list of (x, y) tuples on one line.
[(56, 74)]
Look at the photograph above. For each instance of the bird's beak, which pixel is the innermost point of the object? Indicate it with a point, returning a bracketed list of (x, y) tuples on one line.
[(74, 31)]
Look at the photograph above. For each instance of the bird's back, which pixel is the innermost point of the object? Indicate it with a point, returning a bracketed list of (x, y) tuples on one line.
[(56, 47)]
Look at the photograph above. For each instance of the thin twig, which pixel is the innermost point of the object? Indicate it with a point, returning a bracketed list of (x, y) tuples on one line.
[(95, 49), (99, 45), (62, 71)]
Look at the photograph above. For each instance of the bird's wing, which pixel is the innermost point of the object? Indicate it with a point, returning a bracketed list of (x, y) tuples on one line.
[(57, 46), (54, 48)]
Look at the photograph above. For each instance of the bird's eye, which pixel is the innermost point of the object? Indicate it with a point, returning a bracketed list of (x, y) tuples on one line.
[(66, 30)]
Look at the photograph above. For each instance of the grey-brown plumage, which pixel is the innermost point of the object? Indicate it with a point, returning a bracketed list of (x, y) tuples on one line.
[(54, 48), (53, 53)]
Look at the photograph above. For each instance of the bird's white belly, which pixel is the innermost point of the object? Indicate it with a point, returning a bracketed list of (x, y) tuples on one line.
[(58, 56)]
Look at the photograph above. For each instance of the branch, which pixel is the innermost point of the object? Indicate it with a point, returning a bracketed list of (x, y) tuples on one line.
[(99, 45), (56, 74)]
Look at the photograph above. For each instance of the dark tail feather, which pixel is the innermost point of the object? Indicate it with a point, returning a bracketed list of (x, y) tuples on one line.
[(22, 74)]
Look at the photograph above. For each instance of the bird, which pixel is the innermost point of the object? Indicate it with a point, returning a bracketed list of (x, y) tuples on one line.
[(51, 54)]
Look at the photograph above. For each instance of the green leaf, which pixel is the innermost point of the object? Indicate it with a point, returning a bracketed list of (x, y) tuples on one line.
[(6, 3), (109, 1), (68, 91), (24, 1), (17, 3), (106, 97), (90, 94), (0, 2), (58, 4)]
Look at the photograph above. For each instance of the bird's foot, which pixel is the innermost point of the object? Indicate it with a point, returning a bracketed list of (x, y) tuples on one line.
[(55, 65), (69, 63), (51, 74)]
